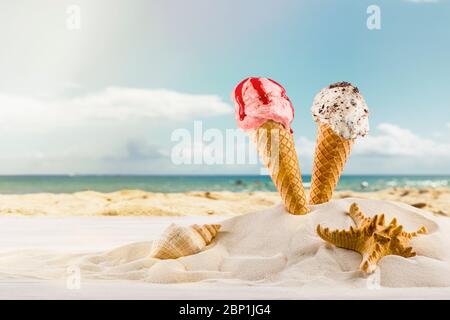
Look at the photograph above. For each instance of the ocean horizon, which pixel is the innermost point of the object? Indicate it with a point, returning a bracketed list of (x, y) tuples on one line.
[(21, 184)]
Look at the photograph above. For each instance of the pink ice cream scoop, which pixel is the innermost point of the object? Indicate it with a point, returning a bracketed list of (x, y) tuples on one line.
[(260, 99)]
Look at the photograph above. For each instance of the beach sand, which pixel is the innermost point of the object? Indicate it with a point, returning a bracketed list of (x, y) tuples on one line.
[(141, 203), (264, 254)]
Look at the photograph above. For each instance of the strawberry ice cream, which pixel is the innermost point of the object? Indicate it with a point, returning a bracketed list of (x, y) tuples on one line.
[(260, 99), (265, 112)]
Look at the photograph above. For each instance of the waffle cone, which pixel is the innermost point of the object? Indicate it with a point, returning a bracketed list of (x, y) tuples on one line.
[(275, 145), (331, 155)]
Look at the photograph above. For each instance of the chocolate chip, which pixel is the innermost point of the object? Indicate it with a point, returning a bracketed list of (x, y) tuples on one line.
[(340, 85)]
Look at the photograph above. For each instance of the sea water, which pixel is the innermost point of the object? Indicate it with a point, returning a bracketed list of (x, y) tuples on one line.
[(65, 184)]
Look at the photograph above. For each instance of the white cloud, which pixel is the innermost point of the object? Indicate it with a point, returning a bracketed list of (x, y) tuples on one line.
[(396, 150), (111, 105), (395, 141), (117, 130)]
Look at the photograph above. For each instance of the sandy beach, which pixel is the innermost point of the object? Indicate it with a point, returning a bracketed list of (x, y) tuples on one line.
[(264, 254), (200, 203), (261, 252)]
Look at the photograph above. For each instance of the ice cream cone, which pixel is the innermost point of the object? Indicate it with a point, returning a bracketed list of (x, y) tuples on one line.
[(276, 147), (330, 157), (265, 112), (342, 116)]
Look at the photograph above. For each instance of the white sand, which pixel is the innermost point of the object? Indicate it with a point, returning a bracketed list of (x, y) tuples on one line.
[(266, 254), (136, 203)]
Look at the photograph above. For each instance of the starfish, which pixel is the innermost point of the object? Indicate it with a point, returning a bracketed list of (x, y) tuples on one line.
[(372, 238)]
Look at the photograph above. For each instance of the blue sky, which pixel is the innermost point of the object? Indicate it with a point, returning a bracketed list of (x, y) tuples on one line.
[(106, 98)]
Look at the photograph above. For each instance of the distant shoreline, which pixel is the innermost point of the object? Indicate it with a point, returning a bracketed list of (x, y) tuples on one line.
[(24, 184)]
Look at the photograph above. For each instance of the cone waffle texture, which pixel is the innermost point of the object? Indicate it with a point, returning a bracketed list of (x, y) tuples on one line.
[(177, 241), (372, 238), (276, 147), (331, 155)]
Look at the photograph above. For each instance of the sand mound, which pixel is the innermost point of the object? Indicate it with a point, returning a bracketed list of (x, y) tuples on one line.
[(265, 248)]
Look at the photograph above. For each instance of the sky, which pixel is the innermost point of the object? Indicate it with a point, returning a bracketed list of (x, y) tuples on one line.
[(105, 93)]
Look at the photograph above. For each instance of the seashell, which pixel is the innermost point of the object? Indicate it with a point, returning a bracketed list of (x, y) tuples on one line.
[(372, 238), (177, 241)]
